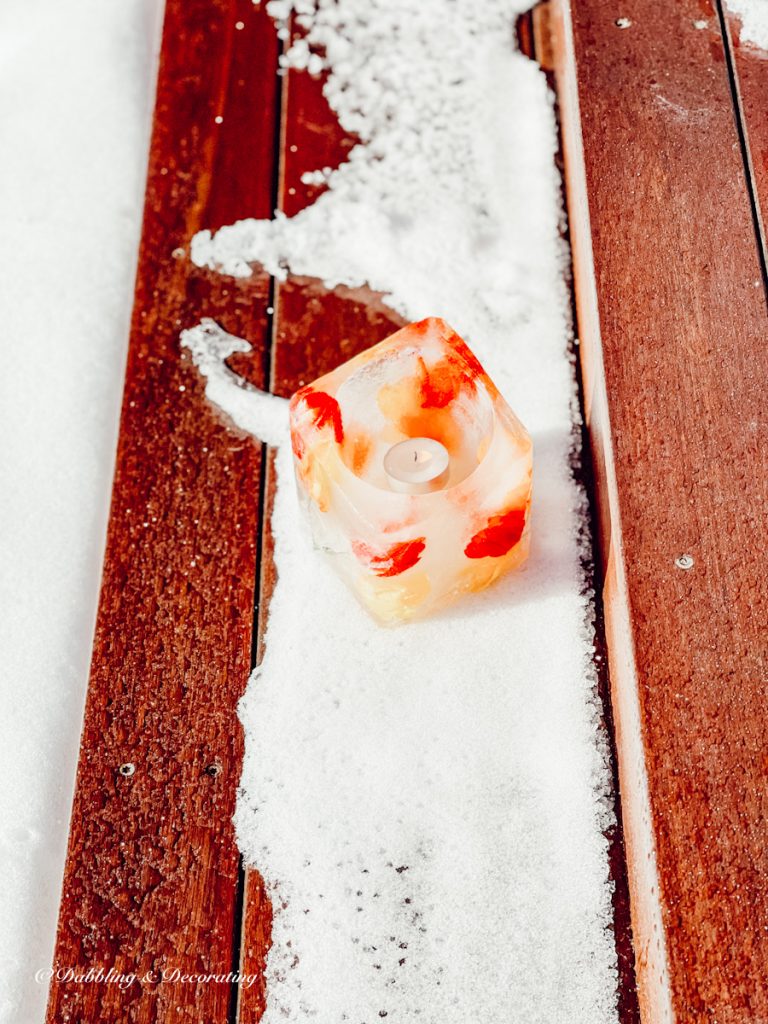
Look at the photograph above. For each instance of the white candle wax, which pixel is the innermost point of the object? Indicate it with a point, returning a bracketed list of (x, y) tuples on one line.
[(417, 466)]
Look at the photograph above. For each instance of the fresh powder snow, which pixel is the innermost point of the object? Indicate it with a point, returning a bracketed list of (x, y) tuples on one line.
[(427, 804), (754, 20), (77, 86)]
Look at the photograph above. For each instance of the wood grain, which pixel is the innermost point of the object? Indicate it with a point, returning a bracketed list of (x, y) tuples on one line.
[(152, 866), (672, 317), (750, 68)]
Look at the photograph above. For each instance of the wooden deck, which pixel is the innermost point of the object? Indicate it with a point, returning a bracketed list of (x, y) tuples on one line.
[(664, 211), (665, 140)]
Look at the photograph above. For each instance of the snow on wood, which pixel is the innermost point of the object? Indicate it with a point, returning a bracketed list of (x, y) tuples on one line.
[(428, 806), (754, 20)]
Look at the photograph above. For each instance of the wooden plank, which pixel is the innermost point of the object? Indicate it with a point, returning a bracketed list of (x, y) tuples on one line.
[(256, 939), (152, 866), (750, 69), (672, 319)]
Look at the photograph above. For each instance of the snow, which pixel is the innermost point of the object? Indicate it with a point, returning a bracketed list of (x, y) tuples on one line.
[(77, 84), (754, 20), (428, 804), (209, 345)]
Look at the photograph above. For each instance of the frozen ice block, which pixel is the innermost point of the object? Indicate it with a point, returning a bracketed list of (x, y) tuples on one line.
[(413, 471)]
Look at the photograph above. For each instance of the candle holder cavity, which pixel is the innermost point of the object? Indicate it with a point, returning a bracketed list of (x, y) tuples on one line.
[(414, 473)]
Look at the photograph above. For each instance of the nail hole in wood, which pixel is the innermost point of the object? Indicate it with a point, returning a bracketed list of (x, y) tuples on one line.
[(213, 770)]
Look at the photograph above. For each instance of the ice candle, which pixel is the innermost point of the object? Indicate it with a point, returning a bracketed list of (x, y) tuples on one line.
[(414, 473)]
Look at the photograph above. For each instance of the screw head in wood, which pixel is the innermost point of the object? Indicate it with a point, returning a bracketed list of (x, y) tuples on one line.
[(684, 562), (127, 769)]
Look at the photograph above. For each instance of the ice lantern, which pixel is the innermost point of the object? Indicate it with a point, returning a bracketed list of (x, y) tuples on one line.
[(413, 471)]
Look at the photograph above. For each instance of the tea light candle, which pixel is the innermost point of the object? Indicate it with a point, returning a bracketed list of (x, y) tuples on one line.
[(417, 466)]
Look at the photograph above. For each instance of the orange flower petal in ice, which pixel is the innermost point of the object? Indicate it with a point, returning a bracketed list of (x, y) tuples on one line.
[(498, 536), (394, 560), (358, 447), (297, 445)]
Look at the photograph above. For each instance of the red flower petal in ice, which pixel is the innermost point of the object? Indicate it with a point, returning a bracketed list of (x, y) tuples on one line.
[(394, 560), (465, 353), (325, 410), (499, 536), (439, 384)]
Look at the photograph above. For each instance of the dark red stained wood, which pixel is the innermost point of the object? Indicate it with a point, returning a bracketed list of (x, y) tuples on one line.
[(751, 71), (673, 323), (256, 938), (312, 139), (152, 866), (317, 329), (525, 33)]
